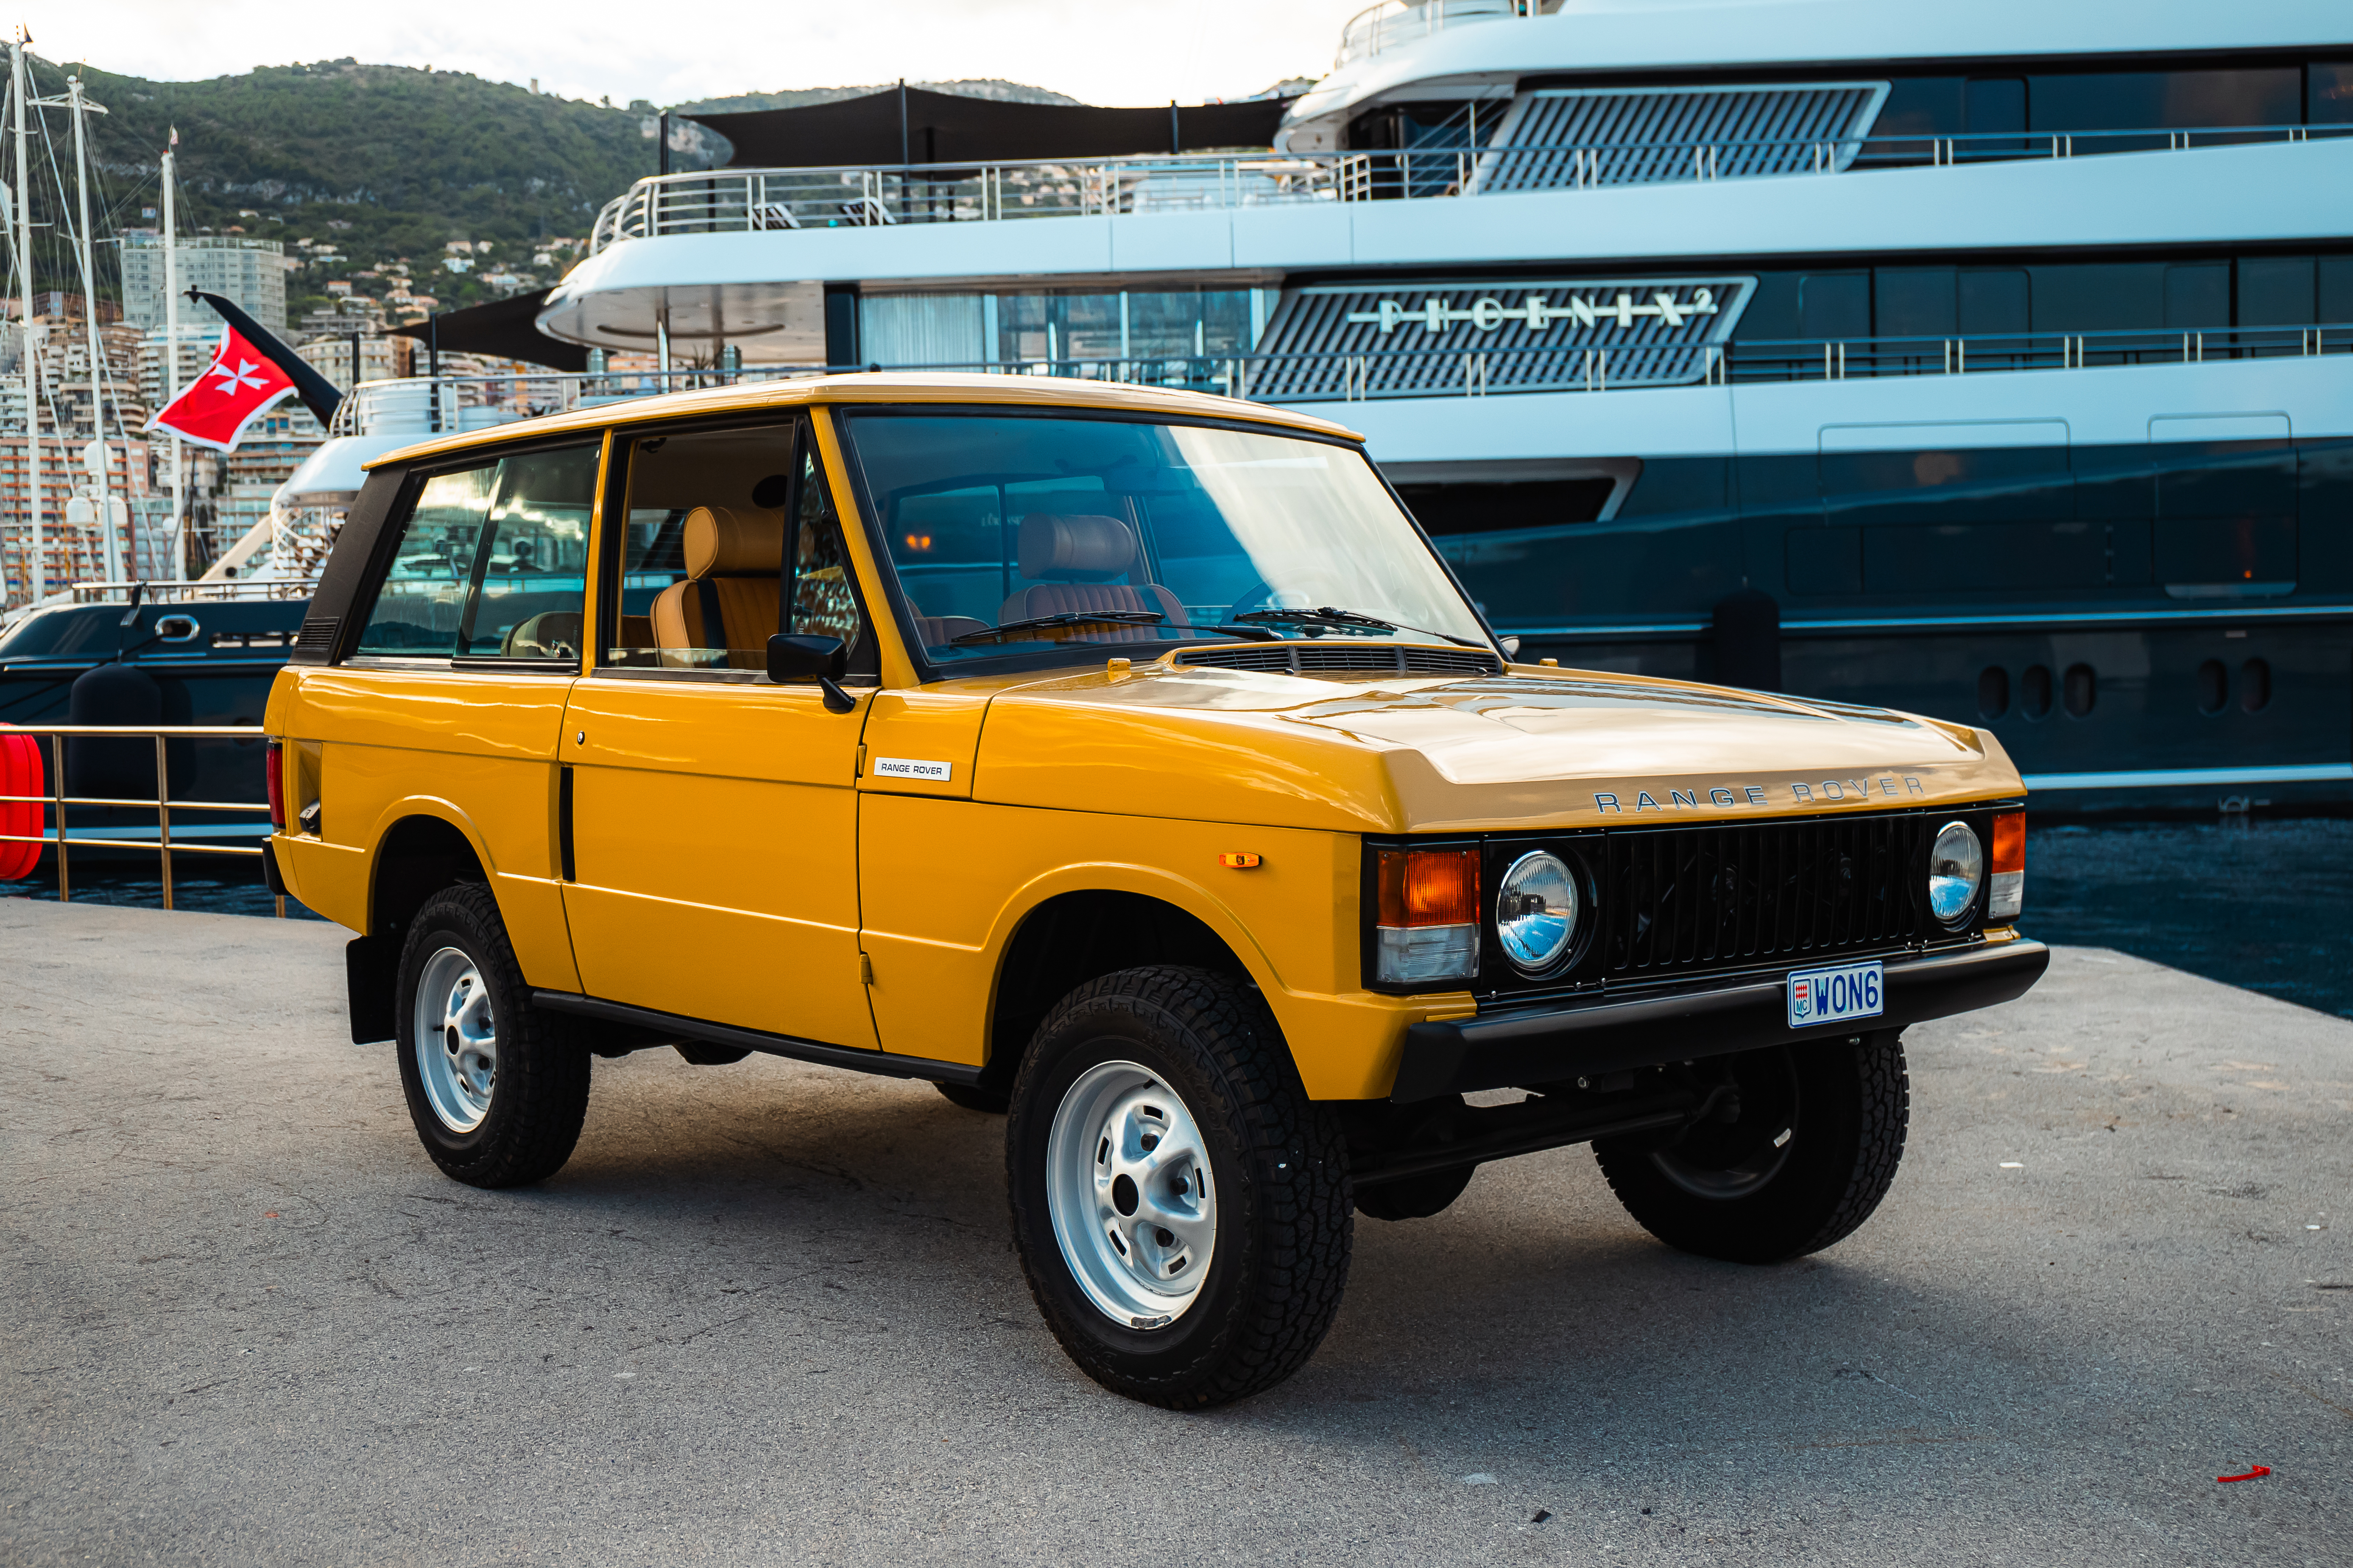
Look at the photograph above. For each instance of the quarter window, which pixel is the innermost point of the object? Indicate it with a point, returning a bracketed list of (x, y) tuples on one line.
[(490, 562)]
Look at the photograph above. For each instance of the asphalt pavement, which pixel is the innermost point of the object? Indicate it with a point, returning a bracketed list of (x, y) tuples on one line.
[(769, 1314)]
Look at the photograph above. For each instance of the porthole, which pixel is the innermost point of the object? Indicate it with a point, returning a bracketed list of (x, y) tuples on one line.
[(2213, 687), (2034, 692), (2079, 690), (1993, 691), (2255, 685)]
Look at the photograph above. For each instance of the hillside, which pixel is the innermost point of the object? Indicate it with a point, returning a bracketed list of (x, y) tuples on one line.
[(378, 162)]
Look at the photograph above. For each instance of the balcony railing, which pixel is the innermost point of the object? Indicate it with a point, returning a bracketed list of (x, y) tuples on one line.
[(1358, 376), (741, 201), (1396, 23)]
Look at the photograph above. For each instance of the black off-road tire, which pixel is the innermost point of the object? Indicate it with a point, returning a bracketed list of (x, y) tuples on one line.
[(980, 1096), (1852, 1105), (1278, 1161), (540, 1096)]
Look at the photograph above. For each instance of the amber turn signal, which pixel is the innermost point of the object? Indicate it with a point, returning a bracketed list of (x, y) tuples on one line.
[(2006, 892), (1239, 862), (2009, 842), (1429, 887)]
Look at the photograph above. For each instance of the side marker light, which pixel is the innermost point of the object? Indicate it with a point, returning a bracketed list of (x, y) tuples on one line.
[(1237, 862)]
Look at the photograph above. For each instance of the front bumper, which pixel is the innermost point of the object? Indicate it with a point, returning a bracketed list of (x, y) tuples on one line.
[(1702, 1019)]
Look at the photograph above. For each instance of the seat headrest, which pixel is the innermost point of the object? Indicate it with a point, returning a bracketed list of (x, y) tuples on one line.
[(1057, 547), (731, 541)]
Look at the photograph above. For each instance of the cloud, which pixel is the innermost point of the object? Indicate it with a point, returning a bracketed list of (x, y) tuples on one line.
[(1126, 52)]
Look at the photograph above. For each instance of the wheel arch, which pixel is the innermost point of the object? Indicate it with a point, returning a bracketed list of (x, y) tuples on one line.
[(1075, 926), (426, 845)]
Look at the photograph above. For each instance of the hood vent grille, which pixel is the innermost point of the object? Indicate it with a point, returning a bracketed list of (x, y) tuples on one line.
[(1307, 659)]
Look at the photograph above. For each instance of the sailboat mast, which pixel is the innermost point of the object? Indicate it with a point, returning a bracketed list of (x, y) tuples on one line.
[(37, 572), (179, 565), (114, 564)]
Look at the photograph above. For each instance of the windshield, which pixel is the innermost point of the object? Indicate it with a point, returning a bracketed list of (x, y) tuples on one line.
[(1024, 535)]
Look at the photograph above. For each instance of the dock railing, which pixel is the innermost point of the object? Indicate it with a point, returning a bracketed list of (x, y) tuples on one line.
[(57, 800)]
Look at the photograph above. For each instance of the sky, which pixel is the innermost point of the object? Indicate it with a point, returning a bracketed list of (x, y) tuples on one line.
[(1106, 51)]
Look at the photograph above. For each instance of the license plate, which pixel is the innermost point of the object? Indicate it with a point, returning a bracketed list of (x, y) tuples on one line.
[(1834, 995)]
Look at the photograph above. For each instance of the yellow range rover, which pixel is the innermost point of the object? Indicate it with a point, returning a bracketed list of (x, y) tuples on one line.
[(1129, 763)]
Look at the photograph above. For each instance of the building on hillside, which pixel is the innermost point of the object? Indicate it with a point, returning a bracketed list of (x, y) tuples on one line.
[(380, 358), (249, 273), (75, 553), (196, 343)]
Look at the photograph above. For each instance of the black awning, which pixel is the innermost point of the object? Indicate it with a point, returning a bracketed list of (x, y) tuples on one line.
[(914, 126), (508, 328)]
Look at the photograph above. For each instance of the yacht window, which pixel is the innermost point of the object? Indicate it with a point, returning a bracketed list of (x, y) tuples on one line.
[(1834, 305), (2198, 296), (1993, 300), (2275, 291), (1916, 302), (2329, 92)]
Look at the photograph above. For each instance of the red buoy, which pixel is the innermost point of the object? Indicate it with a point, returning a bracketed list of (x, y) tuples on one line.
[(20, 773)]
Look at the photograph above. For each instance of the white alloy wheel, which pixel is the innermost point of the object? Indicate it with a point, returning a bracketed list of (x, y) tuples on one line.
[(1128, 1189), (457, 1040)]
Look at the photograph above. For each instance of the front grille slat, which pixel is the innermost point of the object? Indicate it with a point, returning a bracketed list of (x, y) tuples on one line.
[(1681, 900)]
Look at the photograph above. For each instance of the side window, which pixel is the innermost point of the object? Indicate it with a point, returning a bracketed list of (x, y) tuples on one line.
[(423, 596), (711, 519), (823, 602), (530, 576), (490, 562)]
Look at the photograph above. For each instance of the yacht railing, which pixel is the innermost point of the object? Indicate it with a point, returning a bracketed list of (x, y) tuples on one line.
[(1396, 23), (753, 201), (1350, 376), (56, 837)]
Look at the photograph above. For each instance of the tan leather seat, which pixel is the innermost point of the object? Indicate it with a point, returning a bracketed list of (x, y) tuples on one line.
[(734, 568), (1071, 560)]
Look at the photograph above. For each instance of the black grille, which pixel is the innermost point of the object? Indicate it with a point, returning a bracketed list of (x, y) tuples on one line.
[(318, 632), (1681, 900), (1399, 658)]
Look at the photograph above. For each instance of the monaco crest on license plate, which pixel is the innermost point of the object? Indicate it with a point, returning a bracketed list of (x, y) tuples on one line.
[(1834, 995)]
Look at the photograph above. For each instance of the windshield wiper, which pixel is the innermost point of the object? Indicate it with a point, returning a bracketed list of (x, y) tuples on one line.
[(1326, 615), (1067, 619)]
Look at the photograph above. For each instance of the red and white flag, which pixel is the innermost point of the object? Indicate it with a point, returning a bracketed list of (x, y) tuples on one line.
[(240, 385)]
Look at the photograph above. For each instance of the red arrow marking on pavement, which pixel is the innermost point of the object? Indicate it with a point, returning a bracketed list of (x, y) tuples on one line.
[(2251, 1475)]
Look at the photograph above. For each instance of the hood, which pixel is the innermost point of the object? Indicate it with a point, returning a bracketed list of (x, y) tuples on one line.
[(1531, 748)]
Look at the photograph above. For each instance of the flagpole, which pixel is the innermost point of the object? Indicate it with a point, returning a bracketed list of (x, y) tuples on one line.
[(37, 573), (172, 353), (114, 565)]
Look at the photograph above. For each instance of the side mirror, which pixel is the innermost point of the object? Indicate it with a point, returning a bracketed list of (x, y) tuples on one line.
[(792, 658), (1511, 646), (795, 657)]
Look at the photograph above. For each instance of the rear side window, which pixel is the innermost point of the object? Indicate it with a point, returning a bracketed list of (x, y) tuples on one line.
[(490, 562)]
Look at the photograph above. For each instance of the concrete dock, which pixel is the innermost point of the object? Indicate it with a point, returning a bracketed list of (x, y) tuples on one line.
[(768, 1314)]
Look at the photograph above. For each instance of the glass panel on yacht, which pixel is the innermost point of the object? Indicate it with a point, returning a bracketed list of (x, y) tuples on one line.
[(1166, 337), (1051, 538)]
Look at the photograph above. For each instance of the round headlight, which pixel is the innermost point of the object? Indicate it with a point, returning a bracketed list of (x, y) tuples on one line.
[(1536, 910), (1956, 867)]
